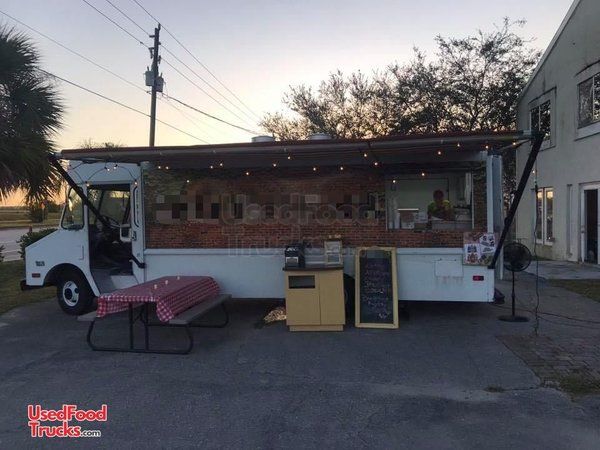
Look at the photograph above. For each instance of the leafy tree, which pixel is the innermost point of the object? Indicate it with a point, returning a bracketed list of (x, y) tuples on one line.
[(90, 143), (472, 85), (30, 113)]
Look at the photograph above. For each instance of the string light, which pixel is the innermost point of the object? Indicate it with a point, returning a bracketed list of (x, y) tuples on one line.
[(365, 155), (289, 157), (274, 164), (212, 167), (247, 173), (458, 145), (422, 174), (187, 181), (487, 147), (135, 183), (166, 167), (394, 181), (314, 168), (341, 167), (220, 164), (439, 152), (159, 167), (376, 163)]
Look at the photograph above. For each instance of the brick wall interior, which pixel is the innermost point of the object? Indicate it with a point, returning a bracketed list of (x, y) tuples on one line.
[(272, 208)]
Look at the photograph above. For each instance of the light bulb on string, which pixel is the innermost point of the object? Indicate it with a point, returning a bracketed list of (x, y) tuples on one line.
[(274, 164), (439, 152), (422, 174), (341, 167), (247, 173), (314, 168), (376, 163)]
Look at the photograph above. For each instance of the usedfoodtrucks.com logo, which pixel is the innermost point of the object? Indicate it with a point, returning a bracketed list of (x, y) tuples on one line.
[(60, 421)]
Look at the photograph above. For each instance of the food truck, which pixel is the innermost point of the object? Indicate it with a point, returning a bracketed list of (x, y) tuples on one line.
[(230, 210)]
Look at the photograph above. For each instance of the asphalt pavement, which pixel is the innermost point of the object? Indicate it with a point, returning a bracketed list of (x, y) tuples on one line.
[(444, 379)]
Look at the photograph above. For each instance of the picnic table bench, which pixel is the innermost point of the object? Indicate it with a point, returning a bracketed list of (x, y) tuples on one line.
[(179, 300)]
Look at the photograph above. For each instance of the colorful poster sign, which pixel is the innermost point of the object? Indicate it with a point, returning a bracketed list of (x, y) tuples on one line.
[(478, 248)]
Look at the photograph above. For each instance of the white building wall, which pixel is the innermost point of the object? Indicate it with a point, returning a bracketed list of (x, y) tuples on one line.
[(573, 156)]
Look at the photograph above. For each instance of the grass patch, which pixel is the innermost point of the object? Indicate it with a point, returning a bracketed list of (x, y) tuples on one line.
[(579, 385), (587, 288), (11, 296), (18, 217), (28, 223)]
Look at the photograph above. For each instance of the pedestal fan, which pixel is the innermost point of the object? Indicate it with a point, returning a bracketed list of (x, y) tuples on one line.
[(517, 258)]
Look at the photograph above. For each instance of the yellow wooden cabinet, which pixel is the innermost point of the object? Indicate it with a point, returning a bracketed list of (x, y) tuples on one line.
[(314, 298)]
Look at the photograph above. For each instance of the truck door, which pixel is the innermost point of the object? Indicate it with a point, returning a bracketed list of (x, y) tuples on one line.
[(137, 230)]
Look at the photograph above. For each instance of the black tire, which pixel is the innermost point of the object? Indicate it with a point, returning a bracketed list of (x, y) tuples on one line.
[(74, 294)]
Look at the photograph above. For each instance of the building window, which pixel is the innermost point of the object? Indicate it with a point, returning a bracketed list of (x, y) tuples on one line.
[(589, 101), (540, 117), (544, 216)]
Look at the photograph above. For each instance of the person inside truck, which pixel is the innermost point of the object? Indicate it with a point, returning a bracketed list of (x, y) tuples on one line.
[(440, 208)]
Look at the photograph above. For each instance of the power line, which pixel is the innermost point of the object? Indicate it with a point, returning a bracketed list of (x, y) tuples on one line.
[(121, 104), (212, 87), (212, 117), (124, 14), (179, 101), (85, 58), (74, 52), (139, 41), (191, 119), (199, 87), (198, 61)]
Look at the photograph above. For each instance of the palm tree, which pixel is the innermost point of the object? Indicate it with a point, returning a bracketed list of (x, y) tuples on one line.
[(30, 113)]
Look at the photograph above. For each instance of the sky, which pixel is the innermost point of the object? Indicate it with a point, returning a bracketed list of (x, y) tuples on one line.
[(255, 48)]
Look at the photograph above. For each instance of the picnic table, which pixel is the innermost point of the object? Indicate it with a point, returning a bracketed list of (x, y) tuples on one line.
[(179, 300)]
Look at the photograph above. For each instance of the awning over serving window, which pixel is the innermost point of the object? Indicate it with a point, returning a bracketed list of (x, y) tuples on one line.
[(402, 149)]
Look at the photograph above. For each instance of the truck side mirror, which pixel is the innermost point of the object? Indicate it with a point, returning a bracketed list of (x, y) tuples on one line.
[(125, 232)]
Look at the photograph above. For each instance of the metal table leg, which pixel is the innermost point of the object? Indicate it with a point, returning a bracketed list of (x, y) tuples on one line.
[(130, 326)]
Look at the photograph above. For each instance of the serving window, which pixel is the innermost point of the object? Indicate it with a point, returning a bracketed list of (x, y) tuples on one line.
[(441, 201)]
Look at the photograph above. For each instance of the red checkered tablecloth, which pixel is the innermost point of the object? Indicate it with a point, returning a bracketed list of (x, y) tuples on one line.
[(172, 296)]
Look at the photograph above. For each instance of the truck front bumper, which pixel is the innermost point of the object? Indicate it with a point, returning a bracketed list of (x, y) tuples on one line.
[(26, 287)]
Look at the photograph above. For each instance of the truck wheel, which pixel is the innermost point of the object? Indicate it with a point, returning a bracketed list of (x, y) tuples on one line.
[(74, 294)]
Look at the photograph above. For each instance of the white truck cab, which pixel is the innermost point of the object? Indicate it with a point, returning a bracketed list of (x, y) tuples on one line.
[(98, 246)]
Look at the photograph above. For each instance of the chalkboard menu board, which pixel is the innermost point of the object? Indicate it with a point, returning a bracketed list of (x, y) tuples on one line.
[(376, 288)]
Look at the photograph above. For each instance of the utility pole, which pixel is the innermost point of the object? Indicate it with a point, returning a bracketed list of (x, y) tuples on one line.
[(157, 83)]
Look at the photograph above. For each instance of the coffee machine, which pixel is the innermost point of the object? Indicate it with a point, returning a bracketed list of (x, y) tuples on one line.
[(294, 255)]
